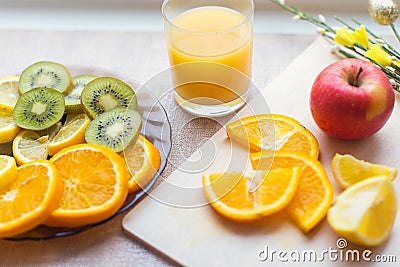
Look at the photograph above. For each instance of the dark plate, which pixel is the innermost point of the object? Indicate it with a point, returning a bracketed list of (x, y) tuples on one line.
[(155, 127)]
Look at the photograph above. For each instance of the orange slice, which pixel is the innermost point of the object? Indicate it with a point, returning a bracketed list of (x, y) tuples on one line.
[(315, 192), (273, 132), (239, 198), (95, 185), (143, 160), (30, 198)]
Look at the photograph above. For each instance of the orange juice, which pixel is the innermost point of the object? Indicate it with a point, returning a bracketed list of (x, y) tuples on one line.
[(211, 34)]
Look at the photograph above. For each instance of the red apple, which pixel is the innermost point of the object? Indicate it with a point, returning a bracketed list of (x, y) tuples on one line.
[(351, 99)]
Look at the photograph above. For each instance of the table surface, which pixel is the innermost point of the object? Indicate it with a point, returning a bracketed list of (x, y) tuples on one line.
[(139, 55)]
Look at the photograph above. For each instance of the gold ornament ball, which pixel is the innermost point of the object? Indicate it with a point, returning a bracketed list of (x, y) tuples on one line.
[(383, 12)]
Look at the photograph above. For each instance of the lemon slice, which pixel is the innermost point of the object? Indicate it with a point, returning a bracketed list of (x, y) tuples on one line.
[(50, 132), (8, 170), (72, 133), (365, 212), (8, 128), (348, 170), (143, 160), (9, 93), (29, 146)]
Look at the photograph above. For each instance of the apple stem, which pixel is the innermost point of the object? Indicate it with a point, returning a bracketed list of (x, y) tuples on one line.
[(359, 73), (355, 81)]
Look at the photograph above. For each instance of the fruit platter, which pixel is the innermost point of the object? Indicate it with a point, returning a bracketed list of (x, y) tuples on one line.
[(44, 102)]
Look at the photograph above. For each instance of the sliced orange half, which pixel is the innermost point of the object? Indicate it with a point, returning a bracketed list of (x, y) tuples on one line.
[(315, 192), (273, 132), (243, 199), (95, 185), (30, 198)]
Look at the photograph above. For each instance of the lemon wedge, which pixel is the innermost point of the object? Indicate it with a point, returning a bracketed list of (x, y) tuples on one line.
[(348, 170), (365, 212)]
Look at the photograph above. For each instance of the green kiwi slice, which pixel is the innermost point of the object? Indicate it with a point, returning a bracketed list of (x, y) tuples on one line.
[(45, 74), (73, 98), (116, 128), (39, 109), (105, 93)]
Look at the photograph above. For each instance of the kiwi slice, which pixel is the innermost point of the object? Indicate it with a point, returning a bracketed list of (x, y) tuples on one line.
[(105, 93), (73, 98), (116, 128), (45, 74), (39, 108)]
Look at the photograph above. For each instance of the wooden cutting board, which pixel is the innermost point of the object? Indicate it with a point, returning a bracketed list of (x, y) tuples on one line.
[(176, 220)]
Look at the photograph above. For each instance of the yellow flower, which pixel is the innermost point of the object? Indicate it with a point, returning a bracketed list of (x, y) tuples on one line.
[(361, 37), (377, 54), (344, 37)]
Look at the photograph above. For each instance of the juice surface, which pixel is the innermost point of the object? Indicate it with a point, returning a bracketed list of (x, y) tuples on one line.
[(212, 34)]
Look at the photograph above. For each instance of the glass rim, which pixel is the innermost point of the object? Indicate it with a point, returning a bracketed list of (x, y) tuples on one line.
[(245, 20)]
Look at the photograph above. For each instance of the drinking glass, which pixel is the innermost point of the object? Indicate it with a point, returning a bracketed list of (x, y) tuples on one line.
[(210, 52)]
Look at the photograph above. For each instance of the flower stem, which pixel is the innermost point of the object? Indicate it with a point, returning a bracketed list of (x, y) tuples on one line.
[(357, 50), (396, 33), (304, 16), (344, 23)]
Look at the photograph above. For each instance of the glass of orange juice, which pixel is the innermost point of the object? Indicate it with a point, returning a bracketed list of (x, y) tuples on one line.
[(210, 52)]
